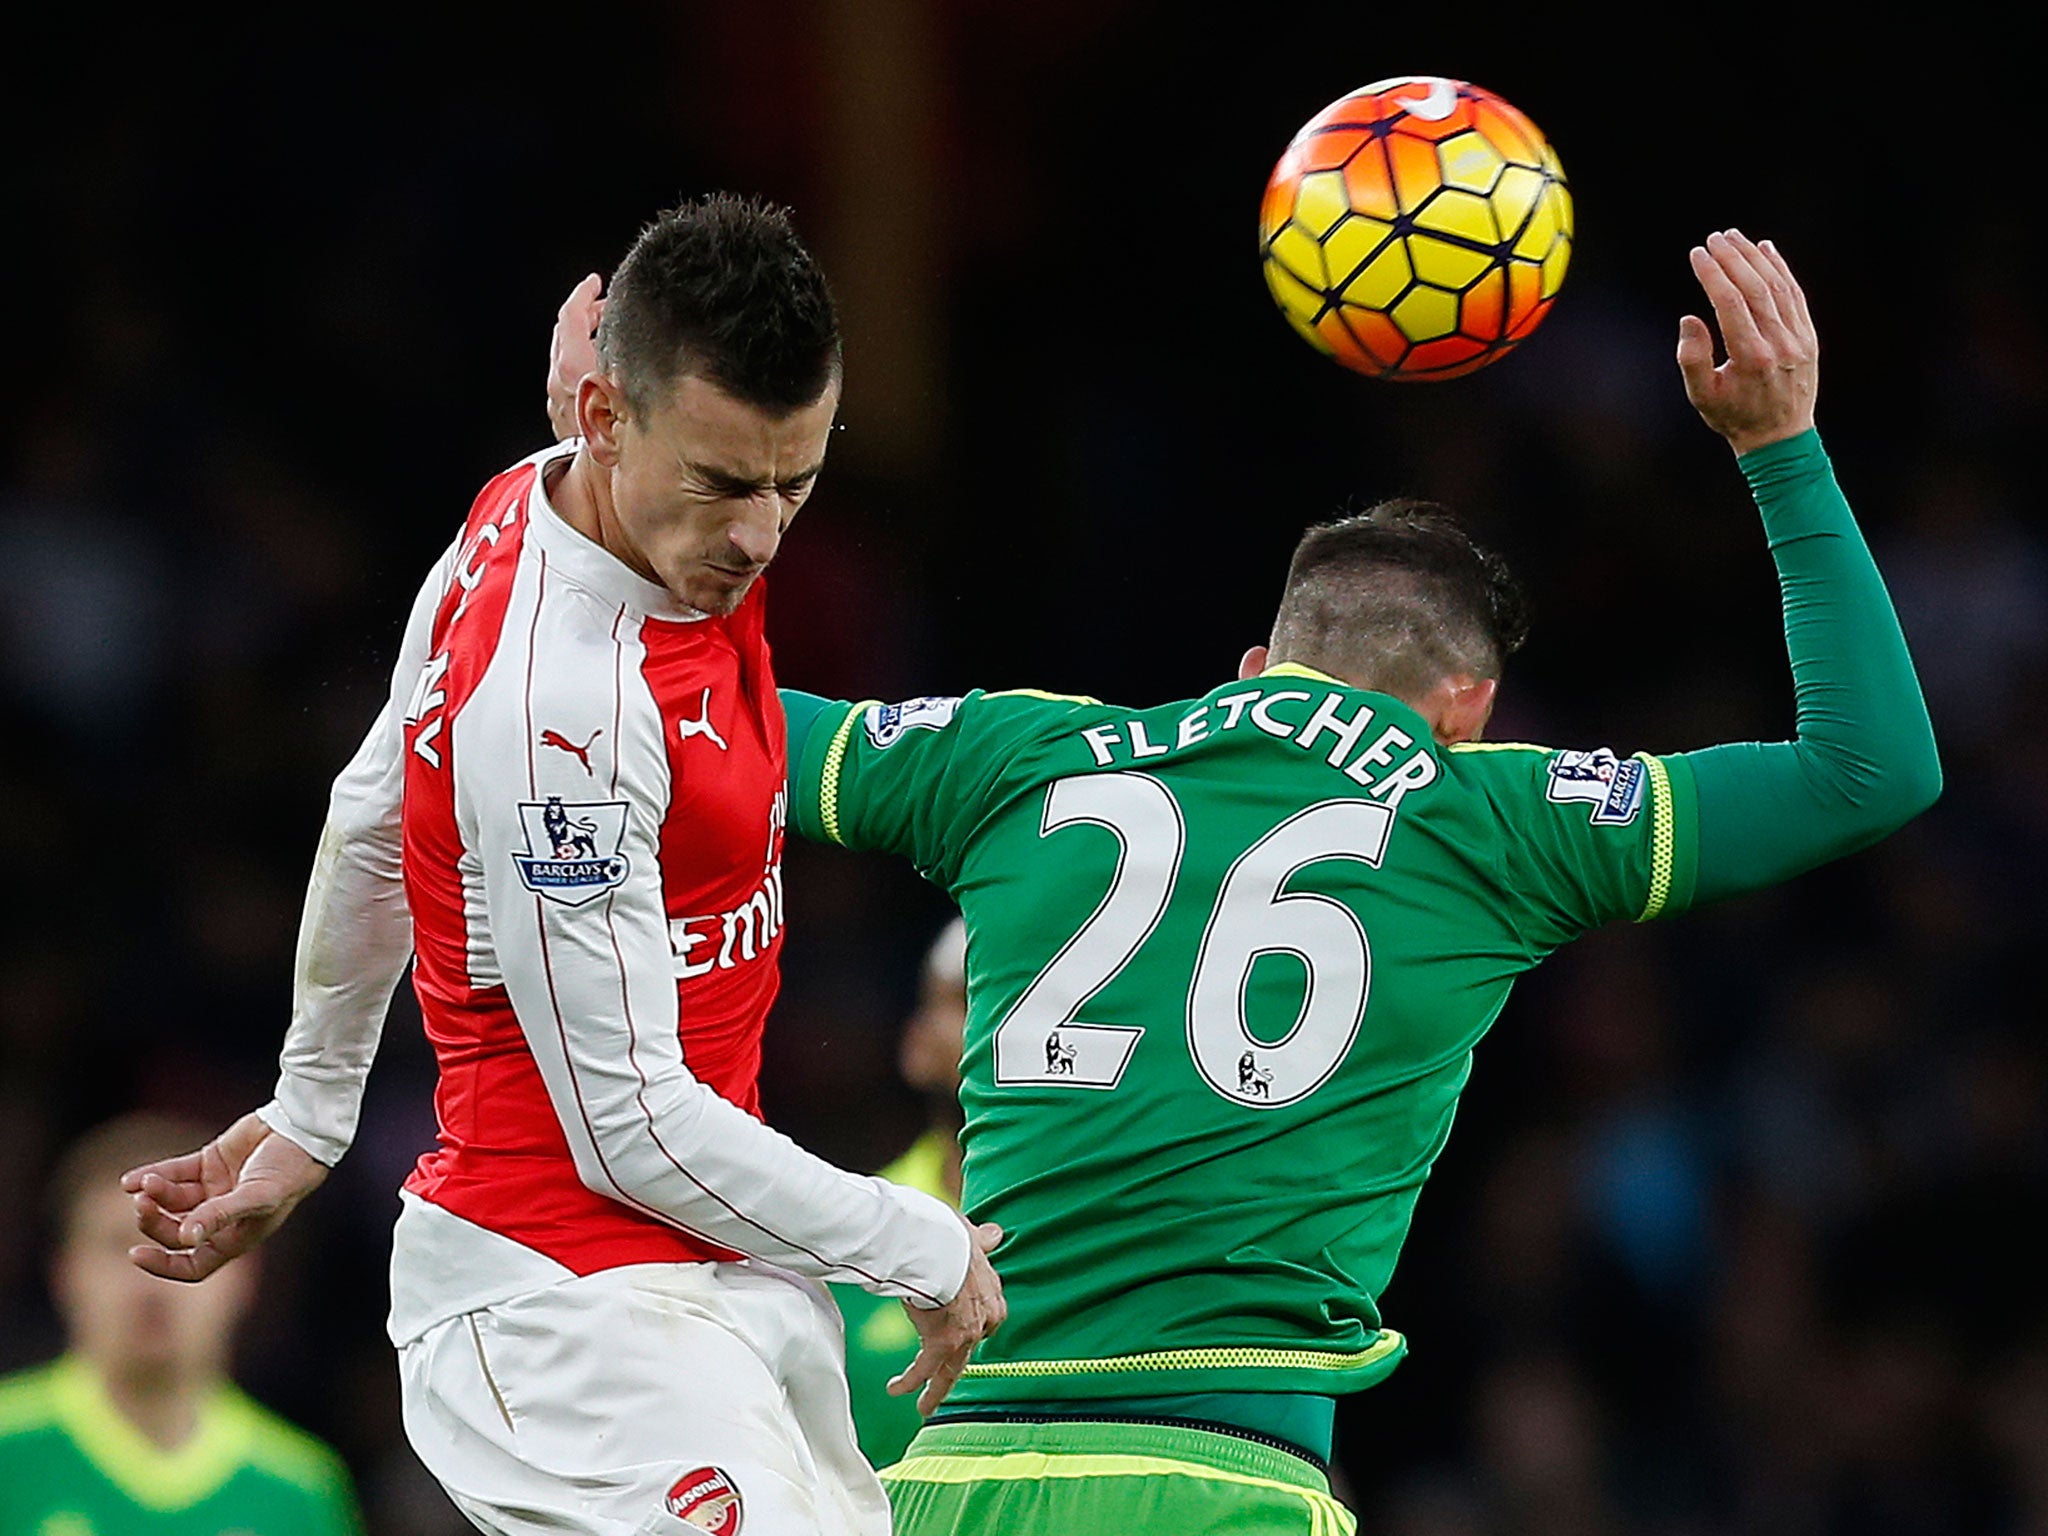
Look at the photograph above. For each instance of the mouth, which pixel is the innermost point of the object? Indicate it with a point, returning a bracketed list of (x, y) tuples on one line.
[(735, 574)]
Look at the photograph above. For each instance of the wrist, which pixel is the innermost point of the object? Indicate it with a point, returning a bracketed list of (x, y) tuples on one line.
[(324, 1150), (1746, 443)]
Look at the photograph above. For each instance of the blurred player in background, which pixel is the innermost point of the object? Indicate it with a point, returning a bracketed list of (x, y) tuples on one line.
[(570, 816), (1230, 957), (879, 1337), (137, 1429)]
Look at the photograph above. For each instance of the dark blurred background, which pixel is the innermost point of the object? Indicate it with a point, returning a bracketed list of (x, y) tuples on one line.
[(1731, 1236)]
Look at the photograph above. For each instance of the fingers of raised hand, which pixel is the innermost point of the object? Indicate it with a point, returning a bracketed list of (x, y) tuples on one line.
[(183, 1264), (160, 1226), (1732, 289), (1771, 298), (581, 298), (171, 1194), (1791, 297), (186, 1170)]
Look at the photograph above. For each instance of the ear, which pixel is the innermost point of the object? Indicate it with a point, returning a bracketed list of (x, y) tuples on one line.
[(1458, 708), (1252, 664), (601, 416)]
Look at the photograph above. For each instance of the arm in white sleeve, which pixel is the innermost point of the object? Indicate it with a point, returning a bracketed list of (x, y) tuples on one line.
[(594, 988), (355, 932)]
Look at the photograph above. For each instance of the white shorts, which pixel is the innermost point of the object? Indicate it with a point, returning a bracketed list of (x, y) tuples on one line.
[(656, 1398)]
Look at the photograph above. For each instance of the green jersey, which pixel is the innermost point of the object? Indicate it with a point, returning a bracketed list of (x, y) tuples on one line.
[(70, 1465), (1228, 961)]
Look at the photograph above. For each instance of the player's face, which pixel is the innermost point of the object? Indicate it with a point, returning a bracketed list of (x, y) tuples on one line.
[(706, 485), (130, 1323)]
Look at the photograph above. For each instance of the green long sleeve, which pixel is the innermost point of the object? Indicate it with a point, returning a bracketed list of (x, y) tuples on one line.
[(1864, 761), (801, 710)]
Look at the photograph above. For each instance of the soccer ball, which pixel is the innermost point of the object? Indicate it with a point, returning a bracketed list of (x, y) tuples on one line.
[(1417, 228)]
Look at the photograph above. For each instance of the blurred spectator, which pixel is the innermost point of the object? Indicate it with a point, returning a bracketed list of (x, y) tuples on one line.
[(880, 1338), (136, 1428)]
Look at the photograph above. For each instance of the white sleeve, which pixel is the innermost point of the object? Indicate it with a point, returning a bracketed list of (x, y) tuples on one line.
[(355, 932), (593, 983)]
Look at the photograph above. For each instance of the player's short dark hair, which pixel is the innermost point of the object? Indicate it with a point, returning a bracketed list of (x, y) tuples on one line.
[(722, 288), (93, 1164), (1396, 598)]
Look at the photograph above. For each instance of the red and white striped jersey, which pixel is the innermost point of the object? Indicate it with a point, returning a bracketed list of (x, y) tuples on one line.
[(571, 813)]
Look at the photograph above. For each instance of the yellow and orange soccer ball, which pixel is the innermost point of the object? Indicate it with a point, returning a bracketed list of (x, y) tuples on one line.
[(1418, 228)]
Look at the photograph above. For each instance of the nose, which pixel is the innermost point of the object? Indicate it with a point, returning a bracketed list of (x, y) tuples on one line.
[(757, 532)]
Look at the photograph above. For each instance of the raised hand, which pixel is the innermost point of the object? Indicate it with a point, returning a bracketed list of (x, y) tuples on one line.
[(572, 352), (207, 1207), (1764, 390), (946, 1335)]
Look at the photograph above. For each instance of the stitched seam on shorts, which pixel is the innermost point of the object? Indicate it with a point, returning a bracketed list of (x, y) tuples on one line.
[(490, 1381)]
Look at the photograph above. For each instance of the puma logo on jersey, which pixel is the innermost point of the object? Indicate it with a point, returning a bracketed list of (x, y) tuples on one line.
[(701, 726), (581, 754)]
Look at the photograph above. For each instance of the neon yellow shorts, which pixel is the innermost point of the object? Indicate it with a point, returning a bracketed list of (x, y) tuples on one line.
[(1104, 1479)]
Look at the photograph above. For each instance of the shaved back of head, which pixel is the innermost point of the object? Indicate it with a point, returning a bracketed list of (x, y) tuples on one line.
[(1396, 599)]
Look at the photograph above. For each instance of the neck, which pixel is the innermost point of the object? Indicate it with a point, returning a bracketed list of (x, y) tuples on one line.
[(161, 1402), (581, 494)]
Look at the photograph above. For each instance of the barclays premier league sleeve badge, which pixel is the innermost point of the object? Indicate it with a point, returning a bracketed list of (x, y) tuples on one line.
[(886, 723), (1612, 786), (572, 850)]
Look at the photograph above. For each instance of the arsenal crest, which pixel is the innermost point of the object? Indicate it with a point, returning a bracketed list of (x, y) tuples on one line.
[(706, 1499)]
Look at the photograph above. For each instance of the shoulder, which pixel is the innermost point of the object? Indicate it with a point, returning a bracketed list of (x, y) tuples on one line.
[(1492, 762), (1016, 712), (1610, 788), (284, 1451), (27, 1400)]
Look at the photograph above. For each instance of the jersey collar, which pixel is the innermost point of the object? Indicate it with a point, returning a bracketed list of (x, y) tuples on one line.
[(1310, 674), (588, 564), (149, 1475), (1296, 669)]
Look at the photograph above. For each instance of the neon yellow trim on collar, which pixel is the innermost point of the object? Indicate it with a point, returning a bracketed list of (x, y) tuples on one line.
[(147, 1474), (1296, 669)]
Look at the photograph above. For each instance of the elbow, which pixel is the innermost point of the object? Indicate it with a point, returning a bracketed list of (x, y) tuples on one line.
[(594, 1169), (607, 1170), (630, 1154), (1907, 788), (1922, 786)]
